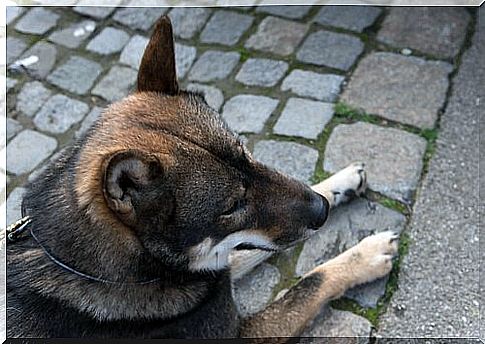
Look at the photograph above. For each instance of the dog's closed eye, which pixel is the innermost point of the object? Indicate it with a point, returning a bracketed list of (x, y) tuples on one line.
[(234, 207)]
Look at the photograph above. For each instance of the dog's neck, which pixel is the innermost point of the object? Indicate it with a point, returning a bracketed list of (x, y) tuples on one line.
[(68, 234)]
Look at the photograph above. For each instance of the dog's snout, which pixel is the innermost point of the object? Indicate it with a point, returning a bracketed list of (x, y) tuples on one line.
[(319, 211)]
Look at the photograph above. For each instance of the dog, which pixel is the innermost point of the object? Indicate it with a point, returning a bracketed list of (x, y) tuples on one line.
[(132, 226)]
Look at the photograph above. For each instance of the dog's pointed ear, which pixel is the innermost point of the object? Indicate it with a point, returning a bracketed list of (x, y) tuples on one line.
[(128, 177), (157, 71)]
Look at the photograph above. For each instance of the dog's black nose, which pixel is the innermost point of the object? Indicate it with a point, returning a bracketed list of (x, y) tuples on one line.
[(319, 211)]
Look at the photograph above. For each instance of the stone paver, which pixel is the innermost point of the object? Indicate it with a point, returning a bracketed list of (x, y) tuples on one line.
[(141, 18), (442, 268), (335, 323), (108, 41), (77, 75), (13, 12), (116, 84), (278, 36), (27, 150), (37, 21), (393, 158), (14, 204), (303, 118), (294, 159), (225, 27), (380, 85), (42, 57), (335, 50), (13, 128), (133, 51), (354, 18), (88, 121), (213, 65), (92, 9), (261, 72), (212, 95), (324, 87), (188, 21), (291, 12), (345, 227), (59, 113), (248, 113), (436, 31), (253, 291), (31, 97), (184, 58), (74, 35), (15, 47)]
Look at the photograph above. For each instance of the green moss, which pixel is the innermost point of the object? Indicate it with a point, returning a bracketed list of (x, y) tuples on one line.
[(286, 264), (345, 111), (393, 204), (320, 175), (344, 304), (245, 54)]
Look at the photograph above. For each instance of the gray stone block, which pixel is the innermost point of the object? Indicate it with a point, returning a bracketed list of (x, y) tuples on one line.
[(226, 27), (309, 84), (73, 35), (278, 36), (294, 159), (213, 96), (116, 84), (405, 89), (253, 292), (248, 113), (304, 118), (393, 158), (184, 58), (354, 18), (141, 18), (37, 21), (291, 12), (91, 8), (133, 51), (261, 72), (213, 65), (27, 150), (108, 41), (44, 54), (13, 128), (31, 97), (59, 113), (15, 47), (333, 323), (335, 50), (13, 12), (346, 226), (437, 31), (77, 75), (187, 22), (14, 205), (88, 121)]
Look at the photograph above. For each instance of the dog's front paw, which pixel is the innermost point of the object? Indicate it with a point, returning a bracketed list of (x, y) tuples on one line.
[(372, 257), (343, 185)]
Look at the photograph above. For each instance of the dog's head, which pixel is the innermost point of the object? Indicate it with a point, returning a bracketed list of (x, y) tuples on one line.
[(162, 168)]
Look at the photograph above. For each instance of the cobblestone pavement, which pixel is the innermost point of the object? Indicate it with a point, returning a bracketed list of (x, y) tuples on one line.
[(310, 89)]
